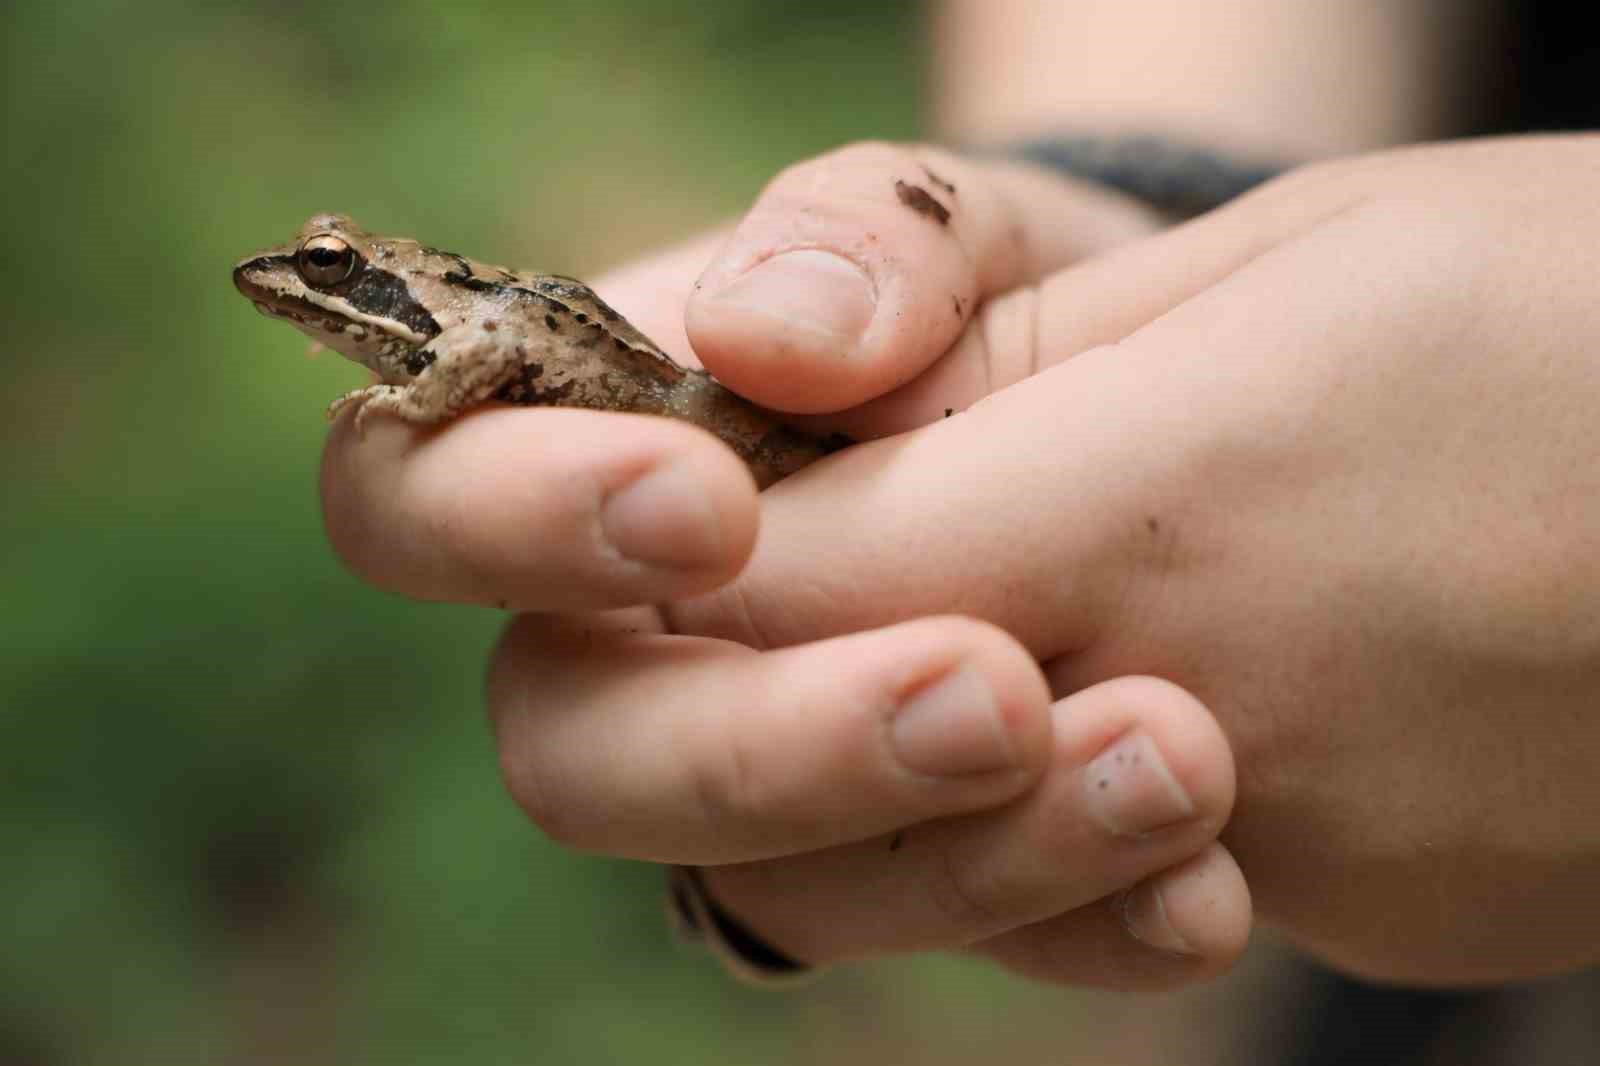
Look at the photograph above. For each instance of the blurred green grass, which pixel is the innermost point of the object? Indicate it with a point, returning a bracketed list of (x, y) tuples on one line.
[(249, 811)]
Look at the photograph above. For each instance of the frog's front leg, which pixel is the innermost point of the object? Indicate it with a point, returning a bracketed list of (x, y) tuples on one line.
[(461, 368)]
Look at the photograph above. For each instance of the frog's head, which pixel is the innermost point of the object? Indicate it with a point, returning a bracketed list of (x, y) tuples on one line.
[(344, 288)]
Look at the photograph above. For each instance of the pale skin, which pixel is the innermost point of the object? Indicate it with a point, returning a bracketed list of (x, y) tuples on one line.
[(1324, 461)]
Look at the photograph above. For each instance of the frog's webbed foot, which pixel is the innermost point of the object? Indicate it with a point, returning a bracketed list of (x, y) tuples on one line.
[(358, 399), (394, 400)]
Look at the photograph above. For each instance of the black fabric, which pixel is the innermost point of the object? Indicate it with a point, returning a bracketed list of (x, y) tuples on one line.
[(1181, 179), (1338, 1021), (1550, 76)]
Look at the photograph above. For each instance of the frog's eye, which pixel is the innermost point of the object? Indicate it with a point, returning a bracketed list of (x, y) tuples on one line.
[(325, 259)]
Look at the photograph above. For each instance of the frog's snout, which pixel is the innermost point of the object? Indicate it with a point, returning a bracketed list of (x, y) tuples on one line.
[(245, 277)]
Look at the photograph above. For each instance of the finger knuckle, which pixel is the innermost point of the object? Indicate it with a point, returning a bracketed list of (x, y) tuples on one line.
[(533, 791), (1007, 334), (1064, 834), (965, 900), (347, 506), (524, 762), (736, 788), (505, 682)]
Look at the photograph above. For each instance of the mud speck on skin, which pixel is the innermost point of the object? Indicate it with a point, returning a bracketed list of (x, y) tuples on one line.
[(937, 180), (922, 202), (1153, 524), (955, 302)]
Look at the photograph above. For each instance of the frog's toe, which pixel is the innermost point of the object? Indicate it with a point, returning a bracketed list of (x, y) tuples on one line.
[(337, 407), (365, 401)]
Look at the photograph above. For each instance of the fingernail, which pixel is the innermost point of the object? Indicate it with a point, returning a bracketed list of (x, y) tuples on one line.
[(808, 288), (952, 728), (664, 518), (1144, 915), (1131, 791)]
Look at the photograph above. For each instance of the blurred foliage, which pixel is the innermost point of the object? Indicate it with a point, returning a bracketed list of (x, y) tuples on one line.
[(250, 812)]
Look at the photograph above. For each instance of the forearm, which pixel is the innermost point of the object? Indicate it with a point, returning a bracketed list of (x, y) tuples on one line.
[(1258, 77)]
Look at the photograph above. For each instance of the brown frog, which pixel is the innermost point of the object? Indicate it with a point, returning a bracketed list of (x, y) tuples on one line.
[(444, 333)]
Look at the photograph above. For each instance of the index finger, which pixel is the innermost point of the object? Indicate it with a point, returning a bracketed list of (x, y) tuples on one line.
[(538, 508)]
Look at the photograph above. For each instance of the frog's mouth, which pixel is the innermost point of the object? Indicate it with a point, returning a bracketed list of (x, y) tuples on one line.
[(305, 316), (291, 307)]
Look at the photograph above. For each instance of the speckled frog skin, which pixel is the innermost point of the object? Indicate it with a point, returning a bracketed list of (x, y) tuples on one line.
[(444, 333)]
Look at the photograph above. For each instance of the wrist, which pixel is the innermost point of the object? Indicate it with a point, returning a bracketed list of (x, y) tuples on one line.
[(1175, 178)]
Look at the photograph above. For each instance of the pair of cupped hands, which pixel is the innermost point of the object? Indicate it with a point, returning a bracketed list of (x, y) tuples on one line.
[(1254, 571)]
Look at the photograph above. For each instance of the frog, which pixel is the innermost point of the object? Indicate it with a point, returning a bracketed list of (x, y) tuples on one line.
[(444, 334)]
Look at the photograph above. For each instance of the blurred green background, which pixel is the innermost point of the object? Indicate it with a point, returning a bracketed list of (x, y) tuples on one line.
[(250, 812)]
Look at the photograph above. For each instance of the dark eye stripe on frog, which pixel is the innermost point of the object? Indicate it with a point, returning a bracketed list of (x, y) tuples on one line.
[(385, 295)]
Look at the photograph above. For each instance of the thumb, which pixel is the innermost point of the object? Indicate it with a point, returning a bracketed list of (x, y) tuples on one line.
[(855, 271)]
